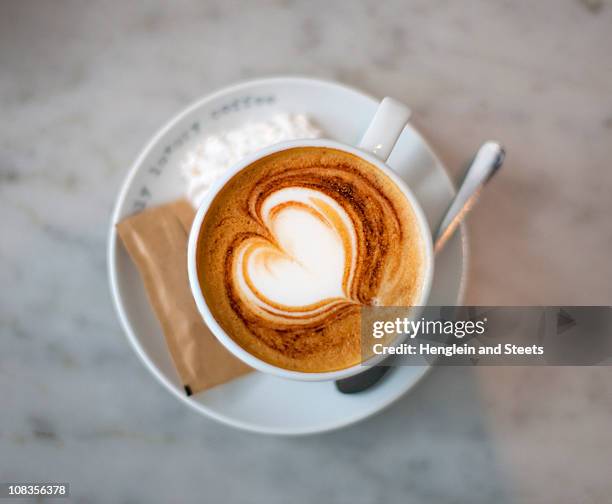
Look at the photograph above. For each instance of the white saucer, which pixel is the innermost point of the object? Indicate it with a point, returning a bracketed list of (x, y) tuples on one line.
[(258, 402)]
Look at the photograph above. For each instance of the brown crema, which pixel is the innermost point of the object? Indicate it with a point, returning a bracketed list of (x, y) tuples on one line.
[(374, 225)]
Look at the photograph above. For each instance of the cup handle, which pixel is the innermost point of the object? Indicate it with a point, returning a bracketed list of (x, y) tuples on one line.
[(385, 128)]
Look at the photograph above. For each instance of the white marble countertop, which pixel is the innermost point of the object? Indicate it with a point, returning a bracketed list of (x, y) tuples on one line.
[(83, 86)]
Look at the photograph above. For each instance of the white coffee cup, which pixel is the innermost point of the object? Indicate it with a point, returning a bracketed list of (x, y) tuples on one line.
[(375, 147)]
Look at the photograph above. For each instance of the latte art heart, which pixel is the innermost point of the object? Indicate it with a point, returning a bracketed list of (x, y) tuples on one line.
[(310, 260), (295, 244)]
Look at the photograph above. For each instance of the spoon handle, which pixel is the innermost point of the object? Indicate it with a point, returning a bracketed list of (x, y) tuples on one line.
[(483, 166)]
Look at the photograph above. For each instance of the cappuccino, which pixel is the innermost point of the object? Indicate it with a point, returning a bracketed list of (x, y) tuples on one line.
[(295, 243)]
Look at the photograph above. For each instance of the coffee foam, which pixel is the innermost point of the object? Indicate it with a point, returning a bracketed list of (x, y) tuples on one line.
[(295, 243)]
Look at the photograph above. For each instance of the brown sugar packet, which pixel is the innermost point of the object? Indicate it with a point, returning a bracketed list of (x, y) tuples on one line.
[(156, 240)]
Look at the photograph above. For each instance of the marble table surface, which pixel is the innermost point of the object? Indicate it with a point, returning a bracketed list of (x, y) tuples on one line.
[(82, 87)]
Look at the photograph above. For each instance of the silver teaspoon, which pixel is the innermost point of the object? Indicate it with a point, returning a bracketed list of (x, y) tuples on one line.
[(487, 161)]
